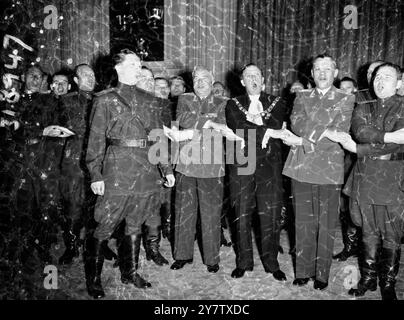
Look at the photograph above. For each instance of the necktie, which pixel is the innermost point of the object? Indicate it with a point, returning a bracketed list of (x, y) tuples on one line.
[(254, 111)]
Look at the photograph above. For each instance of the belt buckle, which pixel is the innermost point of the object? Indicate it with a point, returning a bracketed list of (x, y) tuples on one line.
[(143, 143)]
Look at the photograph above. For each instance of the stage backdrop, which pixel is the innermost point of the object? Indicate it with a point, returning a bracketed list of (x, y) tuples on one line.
[(280, 36)]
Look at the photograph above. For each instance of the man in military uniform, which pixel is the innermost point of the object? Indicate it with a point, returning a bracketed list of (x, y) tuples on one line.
[(177, 88), (38, 191), (375, 184), (126, 182), (161, 111), (316, 166), (259, 189), (77, 197), (350, 232), (200, 180)]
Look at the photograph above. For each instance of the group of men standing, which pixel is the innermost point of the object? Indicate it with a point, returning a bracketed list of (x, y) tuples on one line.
[(109, 165)]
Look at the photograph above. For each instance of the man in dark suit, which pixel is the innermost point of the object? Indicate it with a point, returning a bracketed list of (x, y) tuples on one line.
[(316, 166), (258, 186)]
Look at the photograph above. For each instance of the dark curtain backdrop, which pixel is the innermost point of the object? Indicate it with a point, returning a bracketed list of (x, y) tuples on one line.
[(280, 36)]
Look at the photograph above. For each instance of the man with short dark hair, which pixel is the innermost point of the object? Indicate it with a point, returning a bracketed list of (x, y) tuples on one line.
[(77, 198), (376, 182), (161, 87), (348, 85), (177, 86), (60, 83), (38, 193), (316, 166), (123, 177)]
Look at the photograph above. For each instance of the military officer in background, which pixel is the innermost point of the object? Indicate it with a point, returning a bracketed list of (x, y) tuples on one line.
[(76, 195), (126, 182), (316, 166), (351, 233), (38, 192), (161, 113)]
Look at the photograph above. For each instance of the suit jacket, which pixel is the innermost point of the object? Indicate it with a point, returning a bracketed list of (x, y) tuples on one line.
[(319, 161), (202, 157), (267, 161), (374, 181)]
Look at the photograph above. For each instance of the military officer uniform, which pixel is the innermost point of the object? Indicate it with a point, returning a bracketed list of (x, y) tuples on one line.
[(152, 236), (76, 195), (259, 189), (199, 179), (350, 232), (374, 186), (317, 172), (117, 153)]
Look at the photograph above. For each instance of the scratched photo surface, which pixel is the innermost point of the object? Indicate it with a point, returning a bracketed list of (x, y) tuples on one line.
[(42, 179)]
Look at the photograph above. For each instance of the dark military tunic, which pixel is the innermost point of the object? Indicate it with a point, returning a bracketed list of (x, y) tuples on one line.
[(317, 172), (260, 186), (375, 181), (199, 184), (38, 190), (132, 182), (77, 197)]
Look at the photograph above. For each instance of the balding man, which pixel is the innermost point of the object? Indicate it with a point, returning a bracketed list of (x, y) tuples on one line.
[(200, 178)]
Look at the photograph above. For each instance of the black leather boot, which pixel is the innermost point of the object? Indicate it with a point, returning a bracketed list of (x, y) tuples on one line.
[(71, 250), (165, 213), (388, 270), (128, 255), (152, 246), (368, 267), (93, 263), (350, 236)]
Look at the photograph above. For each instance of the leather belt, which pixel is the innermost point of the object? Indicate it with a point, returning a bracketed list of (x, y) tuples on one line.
[(389, 157), (130, 143)]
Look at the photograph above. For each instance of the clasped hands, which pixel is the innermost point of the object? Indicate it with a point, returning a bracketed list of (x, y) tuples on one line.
[(287, 137), (291, 139), (188, 134)]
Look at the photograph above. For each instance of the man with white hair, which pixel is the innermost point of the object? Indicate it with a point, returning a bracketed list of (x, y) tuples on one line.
[(200, 182)]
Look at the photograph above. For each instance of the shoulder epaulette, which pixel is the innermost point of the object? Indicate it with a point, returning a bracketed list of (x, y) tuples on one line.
[(104, 92)]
